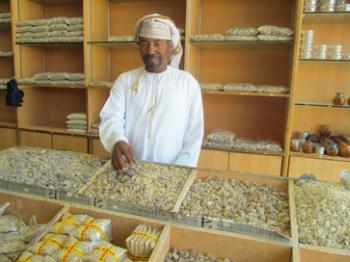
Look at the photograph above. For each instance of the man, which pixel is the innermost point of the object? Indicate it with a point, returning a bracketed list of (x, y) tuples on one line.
[(154, 113)]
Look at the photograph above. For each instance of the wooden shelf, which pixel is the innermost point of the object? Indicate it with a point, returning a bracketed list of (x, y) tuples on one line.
[(57, 2), (244, 94), (53, 128), (52, 86), (316, 156), (52, 44), (115, 44), (325, 60), (269, 153), (320, 105), (8, 124), (326, 17), (228, 43)]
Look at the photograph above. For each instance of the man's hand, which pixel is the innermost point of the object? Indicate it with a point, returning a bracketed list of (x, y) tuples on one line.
[(121, 149)]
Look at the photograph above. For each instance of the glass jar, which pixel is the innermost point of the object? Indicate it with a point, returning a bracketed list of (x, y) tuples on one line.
[(339, 99)]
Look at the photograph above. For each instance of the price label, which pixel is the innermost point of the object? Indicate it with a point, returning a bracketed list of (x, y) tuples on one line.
[(52, 194)]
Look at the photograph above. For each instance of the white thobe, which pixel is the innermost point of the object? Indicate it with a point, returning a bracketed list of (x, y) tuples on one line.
[(159, 114)]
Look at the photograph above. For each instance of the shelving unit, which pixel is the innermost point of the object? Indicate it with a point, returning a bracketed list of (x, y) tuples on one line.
[(316, 83), (250, 115), (8, 117)]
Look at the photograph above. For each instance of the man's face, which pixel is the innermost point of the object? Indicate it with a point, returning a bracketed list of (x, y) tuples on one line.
[(155, 53)]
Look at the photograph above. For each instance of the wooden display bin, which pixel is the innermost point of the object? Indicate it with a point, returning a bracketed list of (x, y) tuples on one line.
[(213, 159), (323, 169), (222, 245), (70, 142), (275, 182), (35, 139), (8, 137), (255, 163), (321, 254), (98, 149), (24, 207), (46, 109)]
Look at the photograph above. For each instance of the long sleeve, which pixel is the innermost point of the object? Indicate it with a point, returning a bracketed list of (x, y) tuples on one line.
[(193, 138), (112, 127)]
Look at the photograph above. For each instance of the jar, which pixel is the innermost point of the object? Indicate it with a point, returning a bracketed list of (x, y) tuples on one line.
[(308, 147), (295, 145), (332, 150), (325, 130), (319, 149), (339, 99), (344, 149)]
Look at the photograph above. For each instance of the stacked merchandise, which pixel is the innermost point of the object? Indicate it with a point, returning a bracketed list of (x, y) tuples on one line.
[(84, 238), (15, 234), (95, 128), (326, 5), (57, 29), (6, 54), (3, 82), (263, 33), (245, 88), (222, 139), (310, 5), (55, 79), (307, 41), (342, 6), (77, 123), (274, 33), (5, 18)]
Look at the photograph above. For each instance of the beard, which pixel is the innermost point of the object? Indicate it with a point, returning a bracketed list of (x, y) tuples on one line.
[(152, 62)]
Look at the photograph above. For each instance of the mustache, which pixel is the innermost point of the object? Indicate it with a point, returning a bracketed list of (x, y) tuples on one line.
[(146, 57)]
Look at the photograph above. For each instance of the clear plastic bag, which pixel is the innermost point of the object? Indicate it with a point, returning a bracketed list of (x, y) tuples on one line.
[(274, 38), (29, 257), (84, 227), (208, 37), (106, 252), (242, 31), (212, 86), (10, 223), (240, 38), (275, 30), (73, 251), (49, 244), (221, 136), (240, 87)]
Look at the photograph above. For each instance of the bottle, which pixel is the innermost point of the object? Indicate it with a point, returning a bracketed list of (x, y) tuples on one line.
[(339, 99)]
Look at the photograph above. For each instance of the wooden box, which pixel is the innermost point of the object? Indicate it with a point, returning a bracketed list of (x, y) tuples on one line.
[(222, 245)]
